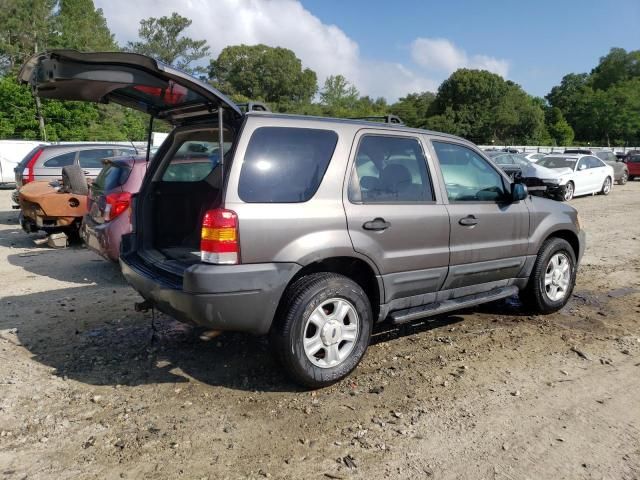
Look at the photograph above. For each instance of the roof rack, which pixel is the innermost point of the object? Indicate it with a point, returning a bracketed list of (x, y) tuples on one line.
[(385, 118), (253, 107)]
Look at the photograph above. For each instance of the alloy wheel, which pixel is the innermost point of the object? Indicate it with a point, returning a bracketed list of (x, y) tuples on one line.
[(557, 277), (331, 332)]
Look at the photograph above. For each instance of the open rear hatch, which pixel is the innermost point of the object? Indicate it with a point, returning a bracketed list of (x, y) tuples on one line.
[(184, 180), (130, 79)]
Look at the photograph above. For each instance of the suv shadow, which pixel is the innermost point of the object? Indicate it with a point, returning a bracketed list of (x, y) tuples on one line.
[(108, 343)]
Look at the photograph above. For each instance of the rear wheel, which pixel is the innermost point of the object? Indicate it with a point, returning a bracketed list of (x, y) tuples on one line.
[(624, 178), (553, 277), (322, 330)]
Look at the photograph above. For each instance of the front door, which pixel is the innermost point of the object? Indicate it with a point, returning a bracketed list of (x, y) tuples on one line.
[(583, 177), (394, 215), (489, 233)]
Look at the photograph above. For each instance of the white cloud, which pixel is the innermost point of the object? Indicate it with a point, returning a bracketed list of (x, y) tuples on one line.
[(324, 48), (441, 55)]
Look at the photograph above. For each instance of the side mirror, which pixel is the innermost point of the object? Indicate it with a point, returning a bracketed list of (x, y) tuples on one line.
[(582, 167), (518, 192)]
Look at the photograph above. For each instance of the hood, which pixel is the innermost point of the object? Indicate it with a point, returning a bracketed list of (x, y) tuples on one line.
[(129, 79)]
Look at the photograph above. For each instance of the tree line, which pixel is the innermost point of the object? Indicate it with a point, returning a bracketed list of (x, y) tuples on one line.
[(600, 107)]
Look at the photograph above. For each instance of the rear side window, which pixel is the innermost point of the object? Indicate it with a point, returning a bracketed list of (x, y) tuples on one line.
[(61, 160), (93, 158), (285, 165), (390, 170)]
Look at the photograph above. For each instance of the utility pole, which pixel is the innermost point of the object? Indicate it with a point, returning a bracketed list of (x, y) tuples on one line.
[(43, 130)]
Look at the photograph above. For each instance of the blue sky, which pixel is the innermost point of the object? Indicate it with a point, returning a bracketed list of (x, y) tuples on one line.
[(542, 40), (390, 49)]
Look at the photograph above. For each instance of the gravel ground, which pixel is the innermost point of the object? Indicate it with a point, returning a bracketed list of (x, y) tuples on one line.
[(91, 389)]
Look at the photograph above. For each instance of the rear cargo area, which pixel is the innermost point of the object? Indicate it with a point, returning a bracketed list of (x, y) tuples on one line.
[(185, 185)]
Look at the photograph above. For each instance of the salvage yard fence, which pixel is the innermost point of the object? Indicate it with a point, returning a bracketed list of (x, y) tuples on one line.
[(547, 149)]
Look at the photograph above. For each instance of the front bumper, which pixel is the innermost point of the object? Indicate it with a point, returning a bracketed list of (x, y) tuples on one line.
[(582, 243), (241, 298)]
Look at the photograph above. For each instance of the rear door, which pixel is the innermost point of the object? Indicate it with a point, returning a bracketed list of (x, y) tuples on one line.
[(49, 165), (92, 160), (489, 233), (129, 79), (395, 215)]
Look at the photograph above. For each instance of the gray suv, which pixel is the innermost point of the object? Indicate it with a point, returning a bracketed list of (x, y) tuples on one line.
[(312, 230)]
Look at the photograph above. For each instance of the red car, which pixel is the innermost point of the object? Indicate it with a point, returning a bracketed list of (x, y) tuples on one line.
[(633, 164), (109, 216)]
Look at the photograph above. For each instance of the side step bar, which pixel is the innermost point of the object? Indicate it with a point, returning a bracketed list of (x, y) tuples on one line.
[(414, 313)]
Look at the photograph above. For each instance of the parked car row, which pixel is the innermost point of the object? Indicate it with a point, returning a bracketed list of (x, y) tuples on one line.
[(309, 230), (562, 176)]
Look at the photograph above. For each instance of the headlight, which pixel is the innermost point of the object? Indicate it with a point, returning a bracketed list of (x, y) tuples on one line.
[(555, 181)]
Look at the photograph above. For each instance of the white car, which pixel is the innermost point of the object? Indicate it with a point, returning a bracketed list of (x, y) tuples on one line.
[(579, 174), (534, 157), (11, 152)]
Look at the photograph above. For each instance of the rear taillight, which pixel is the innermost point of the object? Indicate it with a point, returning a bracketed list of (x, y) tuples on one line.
[(116, 204), (28, 174), (219, 237)]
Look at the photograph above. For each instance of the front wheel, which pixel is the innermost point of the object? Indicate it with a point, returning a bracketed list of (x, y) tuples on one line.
[(553, 277), (569, 190), (322, 329), (606, 186)]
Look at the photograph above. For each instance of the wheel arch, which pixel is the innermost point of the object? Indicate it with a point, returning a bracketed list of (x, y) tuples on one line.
[(570, 237), (357, 269)]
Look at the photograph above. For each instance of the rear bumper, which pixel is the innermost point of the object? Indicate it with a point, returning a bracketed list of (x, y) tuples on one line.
[(104, 238), (241, 298)]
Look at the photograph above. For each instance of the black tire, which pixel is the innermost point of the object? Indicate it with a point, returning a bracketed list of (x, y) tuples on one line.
[(623, 178), (300, 301), (632, 178), (607, 185), (535, 296), (74, 181), (567, 193)]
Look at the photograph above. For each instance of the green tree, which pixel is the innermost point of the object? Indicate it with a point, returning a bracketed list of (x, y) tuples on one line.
[(558, 127), (413, 109), (615, 67), (26, 26), (79, 25), (259, 72), (163, 39), (339, 93)]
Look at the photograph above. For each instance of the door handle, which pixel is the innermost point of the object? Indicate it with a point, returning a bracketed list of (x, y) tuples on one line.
[(86, 172), (468, 221), (376, 224)]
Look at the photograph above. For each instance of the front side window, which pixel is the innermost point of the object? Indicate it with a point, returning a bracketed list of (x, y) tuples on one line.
[(61, 160), (595, 162), (93, 158), (583, 164), (285, 165), (467, 176), (390, 170)]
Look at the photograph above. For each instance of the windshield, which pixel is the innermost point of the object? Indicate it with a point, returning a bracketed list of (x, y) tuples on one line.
[(558, 162)]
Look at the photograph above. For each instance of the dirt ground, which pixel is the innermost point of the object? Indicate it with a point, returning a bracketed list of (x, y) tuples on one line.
[(87, 391)]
